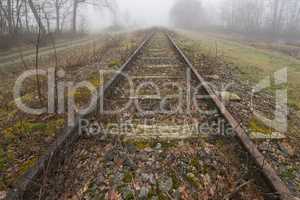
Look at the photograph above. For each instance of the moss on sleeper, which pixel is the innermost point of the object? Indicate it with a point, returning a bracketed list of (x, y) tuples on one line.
[(257, 126), (114, 64)]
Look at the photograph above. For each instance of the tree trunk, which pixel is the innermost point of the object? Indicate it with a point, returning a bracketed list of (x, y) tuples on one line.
[(2, 22), (19, 24), (57, 8), (275, 16), (74, 20), (38, 83), (26, 17), (47, 22), (9, 16), (37, 17)]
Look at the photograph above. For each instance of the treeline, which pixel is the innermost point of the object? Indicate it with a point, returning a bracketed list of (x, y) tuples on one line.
[(188, 14), (270, 18), (26, 16), (273, 17)]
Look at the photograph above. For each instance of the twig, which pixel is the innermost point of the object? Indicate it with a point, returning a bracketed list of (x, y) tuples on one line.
[(22, 59), (229, 196), (45, 178), (55, 75), (37, 66), (216, 46)]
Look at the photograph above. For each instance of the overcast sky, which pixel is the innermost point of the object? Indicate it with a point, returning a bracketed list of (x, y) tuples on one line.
[(151, 12), (142, 12)]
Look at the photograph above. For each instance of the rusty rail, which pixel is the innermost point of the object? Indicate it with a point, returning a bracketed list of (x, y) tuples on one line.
[(69, 136), (66, 138), (269, 173)]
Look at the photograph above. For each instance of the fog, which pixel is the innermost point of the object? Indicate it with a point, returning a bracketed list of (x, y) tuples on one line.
[(148, 12), (144, 13), (141, 13), (255, 17)]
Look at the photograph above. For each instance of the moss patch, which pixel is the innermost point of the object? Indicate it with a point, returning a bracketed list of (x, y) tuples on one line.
[(22, 128), (141, 144), (26, 128), (114, 64), (94, 79), (54, 125), (257, 126), (289, 173), (128, 176), (194, 181), (27, 165), (2, 159)]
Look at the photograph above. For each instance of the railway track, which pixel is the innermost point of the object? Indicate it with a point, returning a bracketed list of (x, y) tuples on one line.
[(164, 135)]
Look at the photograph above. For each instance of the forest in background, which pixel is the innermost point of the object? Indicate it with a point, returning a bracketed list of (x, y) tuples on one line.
[(272, 19), (268, 18)]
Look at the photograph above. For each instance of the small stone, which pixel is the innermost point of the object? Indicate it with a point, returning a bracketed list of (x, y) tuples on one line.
[(165, 184), (118, 178), (3, 195), (148, 178), (229, 96), (144, 192), (286, 149), (130, 164), (131, 148), (144, 177), (100, 180), (214, 77), (152, 179), (109, 156), (148, 149), (158, 146)]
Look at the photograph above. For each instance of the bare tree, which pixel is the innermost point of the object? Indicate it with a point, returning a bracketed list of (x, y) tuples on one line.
[(272, 17), (37, 16), (18, 16), (58, 5), (38, 83), (110, 4)]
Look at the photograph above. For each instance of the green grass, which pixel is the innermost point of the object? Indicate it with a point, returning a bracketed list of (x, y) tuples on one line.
[(254, 64), (2, 159)]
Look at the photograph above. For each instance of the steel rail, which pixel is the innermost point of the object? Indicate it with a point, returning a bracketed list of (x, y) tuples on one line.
[(269, 173), (70, 135), (66, 138)]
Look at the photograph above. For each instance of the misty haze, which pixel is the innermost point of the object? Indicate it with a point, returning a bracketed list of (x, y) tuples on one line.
[(150, 99)]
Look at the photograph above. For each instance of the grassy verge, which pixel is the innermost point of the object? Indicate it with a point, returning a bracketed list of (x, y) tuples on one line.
[(25, 137), (254, 64)]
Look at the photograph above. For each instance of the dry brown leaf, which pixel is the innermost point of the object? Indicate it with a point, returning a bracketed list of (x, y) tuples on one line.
[(113, 195), (183, 193)]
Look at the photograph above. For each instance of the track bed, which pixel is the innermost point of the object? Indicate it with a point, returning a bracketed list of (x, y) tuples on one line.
[(161, 145)]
